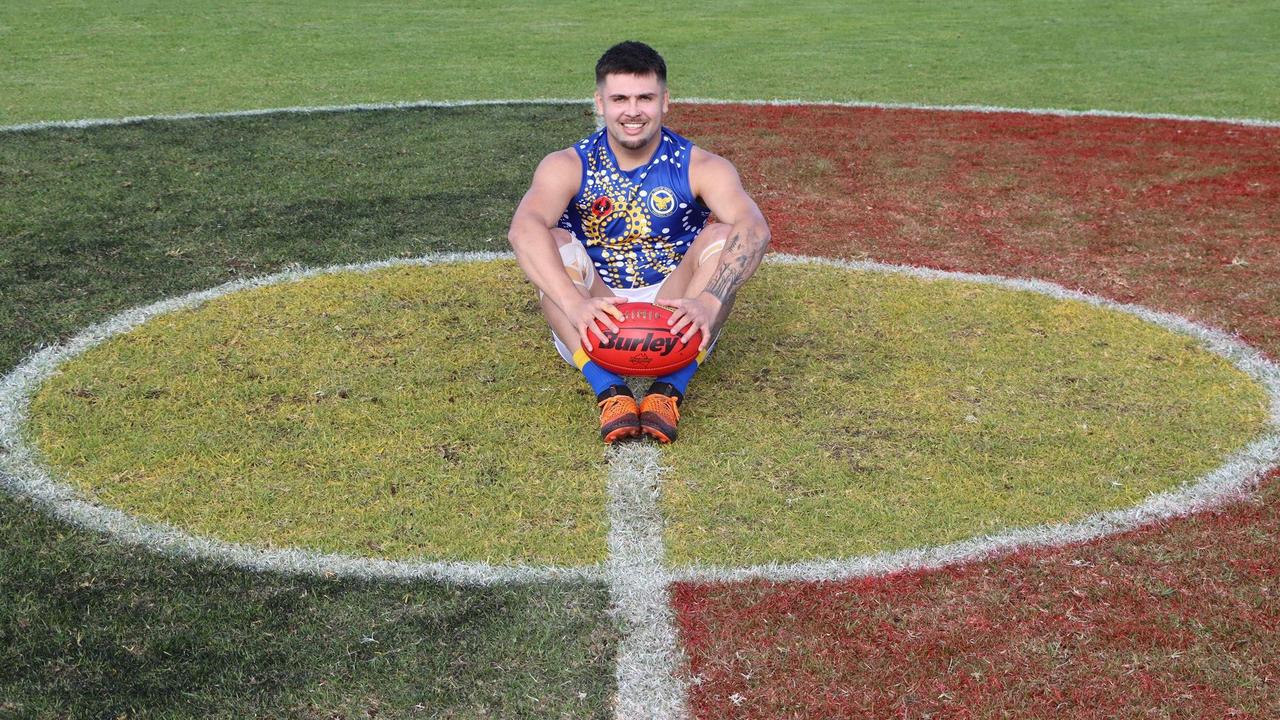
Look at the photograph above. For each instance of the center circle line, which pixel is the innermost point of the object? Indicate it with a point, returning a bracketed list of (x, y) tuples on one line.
[(22, 474)]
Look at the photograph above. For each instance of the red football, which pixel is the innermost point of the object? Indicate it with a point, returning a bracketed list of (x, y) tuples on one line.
[(643, 345)]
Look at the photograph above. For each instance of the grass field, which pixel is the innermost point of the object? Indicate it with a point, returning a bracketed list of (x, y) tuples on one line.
[(98, 221), (72, 60), (897, 422), (323, 414), (330, 414), (1179, 620)]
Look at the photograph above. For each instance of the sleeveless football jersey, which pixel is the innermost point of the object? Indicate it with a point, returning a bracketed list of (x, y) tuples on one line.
[(638, 224)]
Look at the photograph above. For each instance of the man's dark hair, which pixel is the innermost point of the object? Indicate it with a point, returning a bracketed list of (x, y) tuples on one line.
[(631, 58)]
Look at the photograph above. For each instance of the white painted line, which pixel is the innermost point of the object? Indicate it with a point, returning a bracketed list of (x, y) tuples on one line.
[(1231, 481), (419, 104), (297, 110), (651, 669), (23, 474)]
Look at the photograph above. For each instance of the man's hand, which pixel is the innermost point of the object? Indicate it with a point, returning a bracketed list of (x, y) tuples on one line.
[(590, 313), (694, 314)]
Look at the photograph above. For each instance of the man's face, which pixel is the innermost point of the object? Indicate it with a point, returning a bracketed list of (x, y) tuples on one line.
[(632, 107)]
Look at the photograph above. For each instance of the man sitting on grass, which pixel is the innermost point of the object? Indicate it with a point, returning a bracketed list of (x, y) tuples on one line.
[(622, 217)]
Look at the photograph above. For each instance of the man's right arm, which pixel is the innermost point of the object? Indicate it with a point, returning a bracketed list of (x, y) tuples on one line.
[(555, 182)]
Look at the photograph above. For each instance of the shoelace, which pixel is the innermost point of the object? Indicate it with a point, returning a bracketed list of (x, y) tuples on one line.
[(669, 403), (609, 406)]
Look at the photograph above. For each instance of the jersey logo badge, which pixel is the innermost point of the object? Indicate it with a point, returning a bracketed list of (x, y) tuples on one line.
[(602, 206), (662, 202)]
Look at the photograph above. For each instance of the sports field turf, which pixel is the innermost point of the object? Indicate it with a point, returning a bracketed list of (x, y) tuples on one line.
[(328, 413), (70, 60), (1177, 620), (897, 420), (337, 414), (98, 221)]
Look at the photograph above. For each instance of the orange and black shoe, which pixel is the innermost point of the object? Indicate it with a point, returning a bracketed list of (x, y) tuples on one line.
[(619, 416), (660, 412)]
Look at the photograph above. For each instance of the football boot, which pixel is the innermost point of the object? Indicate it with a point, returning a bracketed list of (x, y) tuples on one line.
[(660, 412), (619, 416)]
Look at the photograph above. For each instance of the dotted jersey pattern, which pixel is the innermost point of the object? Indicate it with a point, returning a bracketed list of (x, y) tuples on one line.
[(637, 224)]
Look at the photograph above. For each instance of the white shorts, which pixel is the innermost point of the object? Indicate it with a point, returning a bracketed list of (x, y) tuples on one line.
[(648, 293)]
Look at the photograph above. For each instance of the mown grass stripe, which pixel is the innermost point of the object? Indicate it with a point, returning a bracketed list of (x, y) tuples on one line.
[(1232, 480), (419, 104)]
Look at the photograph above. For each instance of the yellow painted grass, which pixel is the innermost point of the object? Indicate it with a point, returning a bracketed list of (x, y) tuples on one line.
[(846, 413), (420, 413), (413, 412)]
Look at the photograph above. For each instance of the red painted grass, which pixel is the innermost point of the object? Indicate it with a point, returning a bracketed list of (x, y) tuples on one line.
[(1178, 620), (1174, 215)]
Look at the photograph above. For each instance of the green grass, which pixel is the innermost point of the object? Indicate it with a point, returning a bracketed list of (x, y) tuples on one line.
[(89, 629), (855, 413), (72, 60), (407, 413), (94, 222)]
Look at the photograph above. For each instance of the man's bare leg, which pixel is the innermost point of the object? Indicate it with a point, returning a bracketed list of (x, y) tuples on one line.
[(585, 279), (619, 414), (660, 408)]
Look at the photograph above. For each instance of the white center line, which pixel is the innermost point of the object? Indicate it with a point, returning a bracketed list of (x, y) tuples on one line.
[(651, 669)]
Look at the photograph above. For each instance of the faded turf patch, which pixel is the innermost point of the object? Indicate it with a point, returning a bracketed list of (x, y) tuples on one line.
[(382, 414), (887, 412)]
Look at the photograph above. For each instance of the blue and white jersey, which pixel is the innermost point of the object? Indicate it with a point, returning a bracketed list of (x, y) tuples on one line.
[(638, 224)]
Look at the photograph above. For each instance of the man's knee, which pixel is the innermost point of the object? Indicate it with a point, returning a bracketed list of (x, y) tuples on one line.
[(576, 261)]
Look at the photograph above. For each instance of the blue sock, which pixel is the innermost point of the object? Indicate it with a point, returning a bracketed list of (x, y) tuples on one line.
[(599, 378), (680, 378)]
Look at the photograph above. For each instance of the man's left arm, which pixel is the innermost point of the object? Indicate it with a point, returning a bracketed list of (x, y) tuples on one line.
[(716, 182)]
